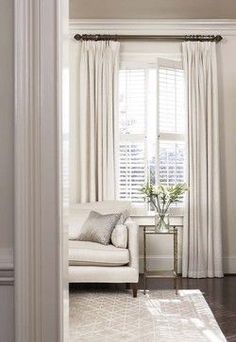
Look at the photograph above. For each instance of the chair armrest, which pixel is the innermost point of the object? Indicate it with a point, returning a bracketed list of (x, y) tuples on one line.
[(133, 243)]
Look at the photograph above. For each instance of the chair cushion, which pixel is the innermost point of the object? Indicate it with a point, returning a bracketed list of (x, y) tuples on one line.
[(86, 253)]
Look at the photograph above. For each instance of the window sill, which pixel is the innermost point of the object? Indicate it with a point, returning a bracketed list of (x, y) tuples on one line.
[(141, 210)]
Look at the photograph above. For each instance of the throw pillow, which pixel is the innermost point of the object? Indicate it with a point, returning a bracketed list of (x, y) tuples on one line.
[(119, 236), (123, 216), (98, 228)]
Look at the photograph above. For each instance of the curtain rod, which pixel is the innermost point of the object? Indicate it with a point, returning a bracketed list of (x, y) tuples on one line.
[(201, 38)]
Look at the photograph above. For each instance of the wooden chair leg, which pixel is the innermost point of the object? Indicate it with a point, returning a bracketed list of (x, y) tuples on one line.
[(134, 287)]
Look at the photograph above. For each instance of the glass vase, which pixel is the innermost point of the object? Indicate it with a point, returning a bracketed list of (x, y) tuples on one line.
[(162, 222)]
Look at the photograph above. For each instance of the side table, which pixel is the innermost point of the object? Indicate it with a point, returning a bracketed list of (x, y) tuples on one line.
[(149, 230)]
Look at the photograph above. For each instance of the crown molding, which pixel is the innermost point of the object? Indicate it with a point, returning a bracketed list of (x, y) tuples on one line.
[(124, 26)]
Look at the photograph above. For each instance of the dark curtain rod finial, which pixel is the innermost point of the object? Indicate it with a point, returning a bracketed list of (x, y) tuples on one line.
[(98, 37), (202, 38)]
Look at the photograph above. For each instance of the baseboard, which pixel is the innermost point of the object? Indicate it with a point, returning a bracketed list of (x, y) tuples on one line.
[(159, 262), (165, 262), (229, 264), (6, 266)]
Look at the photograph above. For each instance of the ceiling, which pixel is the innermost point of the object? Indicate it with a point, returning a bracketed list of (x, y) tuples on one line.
[(153, 9)]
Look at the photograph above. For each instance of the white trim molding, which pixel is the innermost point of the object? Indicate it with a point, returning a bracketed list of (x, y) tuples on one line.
[(38, 229), (6, 266), (229, 264), (126, 26)]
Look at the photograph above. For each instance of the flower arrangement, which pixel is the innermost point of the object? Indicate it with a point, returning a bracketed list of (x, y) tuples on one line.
[(161, 197)]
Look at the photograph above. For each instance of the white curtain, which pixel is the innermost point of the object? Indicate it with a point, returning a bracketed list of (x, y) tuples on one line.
[(94, 115), (202, 242)]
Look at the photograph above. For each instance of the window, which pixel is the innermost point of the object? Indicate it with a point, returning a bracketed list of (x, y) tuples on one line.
[(151, 125)]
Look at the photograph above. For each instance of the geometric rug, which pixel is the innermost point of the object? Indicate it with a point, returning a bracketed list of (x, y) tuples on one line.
[(160, 315)]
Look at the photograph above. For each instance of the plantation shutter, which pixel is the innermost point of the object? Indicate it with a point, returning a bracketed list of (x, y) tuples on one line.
[(132, 170), (171, 123), (151, 125), (132, 153)]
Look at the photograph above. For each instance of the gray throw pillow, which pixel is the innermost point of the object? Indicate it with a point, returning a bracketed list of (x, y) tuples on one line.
[(98, 228)]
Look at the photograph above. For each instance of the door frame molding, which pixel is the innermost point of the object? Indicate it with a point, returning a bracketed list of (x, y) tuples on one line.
[(40, 34), (39, 29)]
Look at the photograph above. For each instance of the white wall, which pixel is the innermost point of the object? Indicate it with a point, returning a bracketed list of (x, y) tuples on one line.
[(227, 95), (155, 9), (6, 167), (227, 89)]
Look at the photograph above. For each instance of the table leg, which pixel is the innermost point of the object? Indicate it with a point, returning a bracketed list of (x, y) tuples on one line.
[(144, 259), (176, 285), (176, 260)]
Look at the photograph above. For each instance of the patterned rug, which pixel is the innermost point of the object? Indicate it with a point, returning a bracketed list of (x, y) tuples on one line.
[(115, 316)]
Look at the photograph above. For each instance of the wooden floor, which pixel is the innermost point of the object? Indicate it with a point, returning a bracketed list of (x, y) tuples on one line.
[(219, 293)]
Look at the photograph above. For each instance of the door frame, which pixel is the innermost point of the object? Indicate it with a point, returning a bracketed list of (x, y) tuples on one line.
[(40, 31), (41, 38)]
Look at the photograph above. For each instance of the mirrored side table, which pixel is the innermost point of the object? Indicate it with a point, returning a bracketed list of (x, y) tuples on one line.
[(148, 231)]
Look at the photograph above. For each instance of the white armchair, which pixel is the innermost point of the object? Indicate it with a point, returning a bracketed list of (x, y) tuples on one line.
[(91, 262)]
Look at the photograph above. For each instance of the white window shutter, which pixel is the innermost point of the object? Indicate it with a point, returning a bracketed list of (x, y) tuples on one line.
[(132, 170), (171, 115), (152, 125), (132, 155)]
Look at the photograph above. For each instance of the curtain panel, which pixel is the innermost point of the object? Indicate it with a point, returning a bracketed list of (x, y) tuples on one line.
[(202, 241), (95, 114)]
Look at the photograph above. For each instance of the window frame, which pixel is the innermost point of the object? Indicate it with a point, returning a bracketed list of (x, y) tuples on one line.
[(138, 61)]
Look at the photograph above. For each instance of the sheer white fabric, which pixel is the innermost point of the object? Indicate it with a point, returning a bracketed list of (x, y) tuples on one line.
[(202, 241), (94, 112)]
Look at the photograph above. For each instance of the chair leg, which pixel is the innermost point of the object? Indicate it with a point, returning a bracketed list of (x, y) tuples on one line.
[(134, 287)]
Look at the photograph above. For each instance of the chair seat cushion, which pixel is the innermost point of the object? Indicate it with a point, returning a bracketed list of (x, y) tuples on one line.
[(86, 253)]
